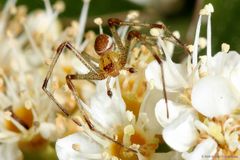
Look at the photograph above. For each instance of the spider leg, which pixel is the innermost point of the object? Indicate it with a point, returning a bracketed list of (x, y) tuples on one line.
[(60, 49), (156, 56), (135, 34), (118, 22), (123, 49), (109, 92), (90, 76), (88, 57)]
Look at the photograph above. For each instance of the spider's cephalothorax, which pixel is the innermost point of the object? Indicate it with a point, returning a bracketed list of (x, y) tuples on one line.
[(108, 62)]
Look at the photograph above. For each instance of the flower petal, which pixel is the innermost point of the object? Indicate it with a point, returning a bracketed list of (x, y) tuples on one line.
[(205, 150), (223, 63), (213, 96), (153, 74), (10, 151), (181, 134), (175, 110), (107, 111), (148, 106), (64, 147)]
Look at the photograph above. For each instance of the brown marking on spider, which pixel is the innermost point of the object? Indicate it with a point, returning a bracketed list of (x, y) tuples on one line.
[(110, 63)]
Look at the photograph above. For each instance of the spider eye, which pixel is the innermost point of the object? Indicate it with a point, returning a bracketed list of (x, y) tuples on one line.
[(102, 44)]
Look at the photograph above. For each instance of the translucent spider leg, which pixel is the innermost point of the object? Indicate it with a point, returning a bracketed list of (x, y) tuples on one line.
[(90, 76), (86, 61)]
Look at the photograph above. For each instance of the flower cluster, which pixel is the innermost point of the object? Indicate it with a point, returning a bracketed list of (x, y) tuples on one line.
[(202, 93)]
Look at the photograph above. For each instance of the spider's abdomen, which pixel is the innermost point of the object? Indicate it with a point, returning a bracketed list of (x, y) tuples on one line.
[(108, 63)]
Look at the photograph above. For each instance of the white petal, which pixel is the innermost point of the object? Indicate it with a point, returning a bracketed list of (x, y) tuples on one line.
[(65, 151), (148, 106), (10, 151), (235, 77), (175, 110), (153, 74), (48, 130), (205, 150), (181, 134), (107, 111), (223, 63), (212, 96)]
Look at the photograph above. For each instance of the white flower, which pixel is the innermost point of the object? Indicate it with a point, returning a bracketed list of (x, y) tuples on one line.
[(181, 134), (212, 92), (213, 96), (110, 115), (153, 74), (205, 150), (175, 110), (78, 146)]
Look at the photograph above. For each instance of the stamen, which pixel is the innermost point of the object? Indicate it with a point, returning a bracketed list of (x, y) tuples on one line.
[(209, 38), (76, 147), (132, 15), (225, 47), (5, 14), (128, 132), (48, 7), (28, 104), (8, 116), (99, 22), (59, 6), (142, 120), (202, 42), (155, 32), (196, 42), (190, 48), (131, 117), (176, 34), (82, 22), (122, 31), (32, 42)]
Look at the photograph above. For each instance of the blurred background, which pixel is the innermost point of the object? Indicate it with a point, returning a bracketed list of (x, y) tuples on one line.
[(176, 14)]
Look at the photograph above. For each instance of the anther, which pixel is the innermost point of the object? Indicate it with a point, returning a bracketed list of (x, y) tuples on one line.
[(99, 22), (225, 47), (59, 6), (76, 147)]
